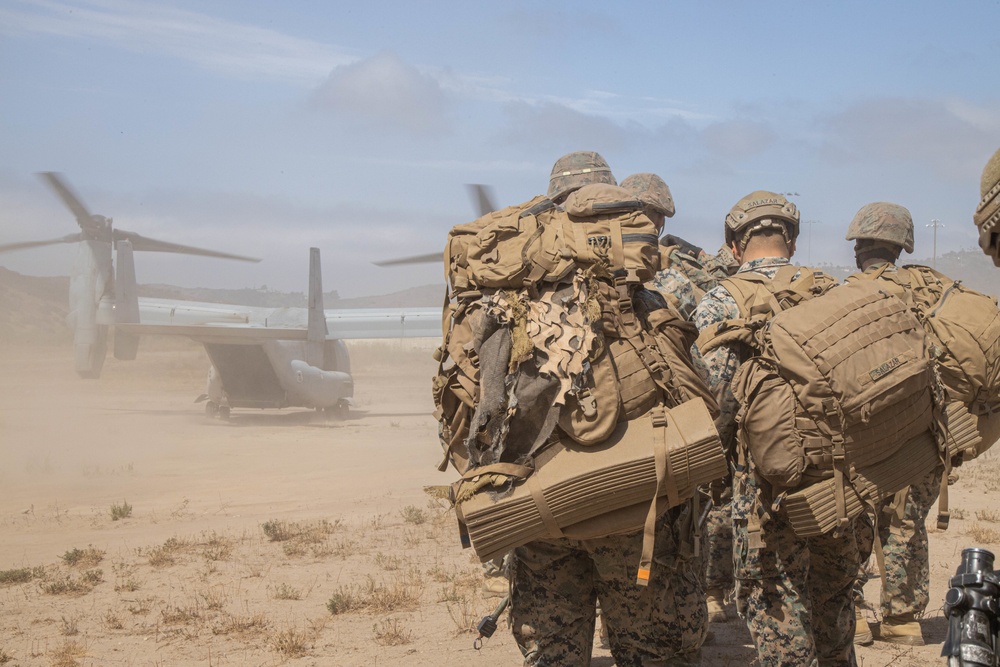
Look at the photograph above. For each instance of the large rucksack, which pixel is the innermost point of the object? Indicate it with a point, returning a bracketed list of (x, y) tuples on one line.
[(551, 343), (839, 382), (964, 326)]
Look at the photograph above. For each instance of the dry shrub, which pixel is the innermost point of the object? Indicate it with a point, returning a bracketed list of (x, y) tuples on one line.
[(218, 547), (982, 534), (285, 592), (68, 653), (166, 554), (179, 615), (21, 575), (141, 606), (463, 614), (391, 632), (291, 642), (242, 624), (401, 594), (413, 515), (70, 585), (303, 531), (388, 563), (88, 557), (112, 621), (121, 511), (988, 515)]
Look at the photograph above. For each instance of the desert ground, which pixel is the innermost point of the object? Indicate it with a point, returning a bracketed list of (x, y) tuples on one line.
[(137, 531)]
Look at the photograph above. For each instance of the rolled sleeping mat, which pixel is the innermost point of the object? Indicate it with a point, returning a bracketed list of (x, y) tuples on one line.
[(582, 492)]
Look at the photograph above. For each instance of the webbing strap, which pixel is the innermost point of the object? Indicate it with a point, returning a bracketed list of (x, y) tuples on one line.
[(664, 483), (508, 469), (618, 246), (544, 511), (944, 516)]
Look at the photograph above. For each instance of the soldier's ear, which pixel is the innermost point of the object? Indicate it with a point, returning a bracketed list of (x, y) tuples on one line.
[(735, 249)]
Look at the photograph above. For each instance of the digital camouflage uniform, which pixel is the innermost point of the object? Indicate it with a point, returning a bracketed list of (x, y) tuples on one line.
[(557, 582), (689, 273), (901, 529), (794, 593)]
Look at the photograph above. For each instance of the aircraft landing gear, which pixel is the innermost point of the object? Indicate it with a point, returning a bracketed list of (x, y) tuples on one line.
[(213, 409), (341, 410)]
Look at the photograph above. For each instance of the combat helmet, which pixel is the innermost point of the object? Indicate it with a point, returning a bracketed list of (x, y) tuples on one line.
[(987, 215), (762, 210), (652, 191), (574, 170), (883, 221)]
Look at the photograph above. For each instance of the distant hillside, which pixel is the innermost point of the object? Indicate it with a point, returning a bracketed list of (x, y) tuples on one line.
[(34, 309)]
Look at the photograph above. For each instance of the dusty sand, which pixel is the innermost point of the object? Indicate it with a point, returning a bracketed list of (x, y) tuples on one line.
[(191, 577)]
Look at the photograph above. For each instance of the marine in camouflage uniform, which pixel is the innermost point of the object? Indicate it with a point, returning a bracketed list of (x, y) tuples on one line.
[(987, 215), (556, 583), (794, 593), (881, 231), (686, 273)]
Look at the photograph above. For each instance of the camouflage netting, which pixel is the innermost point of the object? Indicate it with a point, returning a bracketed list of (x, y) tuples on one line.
[(883, 221)]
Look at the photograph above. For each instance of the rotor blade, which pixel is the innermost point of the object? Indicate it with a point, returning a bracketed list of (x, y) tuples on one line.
[(415, 259), (147, 244), (71, 238), (69, 198), (482, 198)]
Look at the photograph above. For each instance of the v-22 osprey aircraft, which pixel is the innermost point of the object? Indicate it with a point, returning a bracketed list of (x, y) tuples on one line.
[(260, 357)]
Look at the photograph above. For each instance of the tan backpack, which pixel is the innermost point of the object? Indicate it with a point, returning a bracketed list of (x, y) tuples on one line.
[(550, 341), (841, 380), (964, 326)]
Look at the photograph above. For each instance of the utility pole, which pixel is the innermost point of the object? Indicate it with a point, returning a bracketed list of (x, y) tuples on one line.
[(809, 239), (935, 223)]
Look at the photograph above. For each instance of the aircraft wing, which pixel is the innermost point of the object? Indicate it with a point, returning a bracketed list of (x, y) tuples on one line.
[(204, 321)]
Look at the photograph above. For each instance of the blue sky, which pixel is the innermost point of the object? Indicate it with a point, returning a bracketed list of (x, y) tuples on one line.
[(264, 128)]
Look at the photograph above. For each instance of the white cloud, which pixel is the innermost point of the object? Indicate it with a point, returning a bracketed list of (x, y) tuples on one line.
[(227, 47), (386, 93)]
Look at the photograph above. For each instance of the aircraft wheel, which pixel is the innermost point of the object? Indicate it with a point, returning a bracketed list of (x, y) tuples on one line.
[(211, 409), (224, 412), (339, 411)]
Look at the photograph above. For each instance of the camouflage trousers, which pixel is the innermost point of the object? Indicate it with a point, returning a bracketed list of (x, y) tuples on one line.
[(794, 593), (556, 584), (719, 547), (902, 532)]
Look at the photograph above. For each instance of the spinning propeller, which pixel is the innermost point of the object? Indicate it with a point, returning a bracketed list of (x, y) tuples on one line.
[(482, 200), (99, 228)]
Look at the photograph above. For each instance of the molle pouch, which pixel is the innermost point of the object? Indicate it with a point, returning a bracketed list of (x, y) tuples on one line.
[(767, 419), (639, 392), (606, 225), (499, 254), (589, 417)]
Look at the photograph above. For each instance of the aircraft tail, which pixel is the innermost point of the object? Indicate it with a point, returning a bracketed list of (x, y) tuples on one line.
[(316, 334), (126, 302)]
